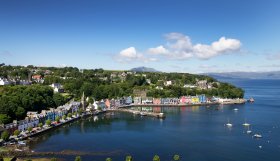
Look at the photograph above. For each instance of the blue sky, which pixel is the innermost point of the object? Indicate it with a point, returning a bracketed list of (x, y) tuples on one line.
[(169, 35)]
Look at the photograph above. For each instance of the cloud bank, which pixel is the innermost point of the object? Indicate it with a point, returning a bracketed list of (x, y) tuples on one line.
[(180, 47)]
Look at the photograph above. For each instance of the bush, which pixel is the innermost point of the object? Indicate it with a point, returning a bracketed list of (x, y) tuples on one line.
[(69, 115), (16, 132), (29, 129), (108, 159), (78, 158), (40, 125), (57, 119), (5, 135), (156, 158), (128, 158), (48, 122), (53, 159), (176, 157)]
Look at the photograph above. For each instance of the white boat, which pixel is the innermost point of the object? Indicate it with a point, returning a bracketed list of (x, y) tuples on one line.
[(236, 109), (249, 132), (229, 124), (143, 114), (245, 123), (258, 136)]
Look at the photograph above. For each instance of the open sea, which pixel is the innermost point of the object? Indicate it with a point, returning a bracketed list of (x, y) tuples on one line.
[(195, 133)]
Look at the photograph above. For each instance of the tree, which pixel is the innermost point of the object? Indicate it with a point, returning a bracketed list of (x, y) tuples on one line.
[(57, 119), (4, 119), (20, 113), (16, 132), (48, 122), (40, 125), (176, 157), (156, 158), (5, 135), (58, 99), (64, 117), (78, 158), (29, 129), (90, 100), (128, 158), (108, 159), (69, 115)]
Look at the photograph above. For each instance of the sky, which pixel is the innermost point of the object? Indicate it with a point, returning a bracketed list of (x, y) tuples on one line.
[(192, 36)]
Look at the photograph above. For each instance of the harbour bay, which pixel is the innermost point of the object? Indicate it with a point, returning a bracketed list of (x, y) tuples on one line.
[(195, 133)]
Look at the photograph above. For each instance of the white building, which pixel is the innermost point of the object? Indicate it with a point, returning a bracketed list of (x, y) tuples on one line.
[(168, 83), (57, 87), (4, 82), (159, 87), (189, 86)]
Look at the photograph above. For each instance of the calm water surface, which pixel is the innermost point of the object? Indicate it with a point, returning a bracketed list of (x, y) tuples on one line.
[(195, 133)]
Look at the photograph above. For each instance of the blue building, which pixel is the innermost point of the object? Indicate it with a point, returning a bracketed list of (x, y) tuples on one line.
[(202, 98), (128, 100)]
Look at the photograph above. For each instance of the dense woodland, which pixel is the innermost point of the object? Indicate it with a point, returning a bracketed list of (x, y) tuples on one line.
[(15, 101), (97, 83)]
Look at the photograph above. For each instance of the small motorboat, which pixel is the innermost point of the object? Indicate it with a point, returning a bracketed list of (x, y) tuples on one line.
[(257, 136), (229, 124), (249, 132), (246, 124), (236, 109)]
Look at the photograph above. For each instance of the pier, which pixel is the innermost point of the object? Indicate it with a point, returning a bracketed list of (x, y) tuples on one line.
[(141, 113)]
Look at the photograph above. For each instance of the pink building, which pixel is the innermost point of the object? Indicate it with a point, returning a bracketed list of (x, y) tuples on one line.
[(107, 103), (183, 100), (156, 101)]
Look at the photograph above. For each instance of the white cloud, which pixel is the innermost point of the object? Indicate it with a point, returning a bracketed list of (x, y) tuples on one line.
[(130, 54), (222, 46), (179, 47), (158, 50), (225, 45)]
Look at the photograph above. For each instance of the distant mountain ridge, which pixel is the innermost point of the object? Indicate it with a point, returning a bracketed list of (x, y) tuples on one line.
[(143, 69), (246, 75)]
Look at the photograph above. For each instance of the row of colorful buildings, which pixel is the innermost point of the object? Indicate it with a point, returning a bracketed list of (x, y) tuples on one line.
[(34, 118), (113, 103)]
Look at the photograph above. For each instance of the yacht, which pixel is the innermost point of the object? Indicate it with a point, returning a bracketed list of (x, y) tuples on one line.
[(257, 136), (229, 124), (246, 124)]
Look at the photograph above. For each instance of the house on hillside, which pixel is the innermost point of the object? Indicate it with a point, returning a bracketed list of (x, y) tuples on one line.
[(38, 78), (139, 93), (202, 84), (168, 83), (57, 87), (137, 100)]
